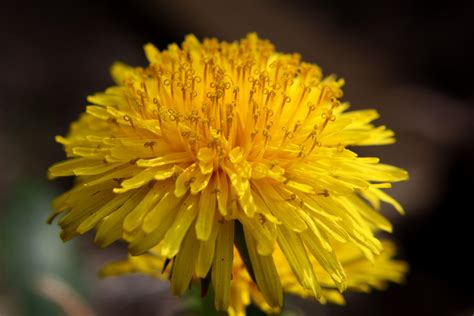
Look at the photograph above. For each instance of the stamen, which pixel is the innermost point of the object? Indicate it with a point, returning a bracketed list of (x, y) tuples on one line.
[(150, 145), (127, 118), (324, 193)]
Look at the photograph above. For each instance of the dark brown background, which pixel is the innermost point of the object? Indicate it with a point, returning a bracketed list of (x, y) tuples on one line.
[(413, 61)]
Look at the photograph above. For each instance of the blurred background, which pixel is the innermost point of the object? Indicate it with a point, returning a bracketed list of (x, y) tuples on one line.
[(411, 60)]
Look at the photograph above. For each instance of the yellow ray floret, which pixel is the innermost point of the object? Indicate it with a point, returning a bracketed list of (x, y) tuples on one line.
[(362, 275), (211, 135)]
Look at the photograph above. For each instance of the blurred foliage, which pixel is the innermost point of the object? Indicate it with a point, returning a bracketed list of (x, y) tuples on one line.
[(32, 250), (194, 304)]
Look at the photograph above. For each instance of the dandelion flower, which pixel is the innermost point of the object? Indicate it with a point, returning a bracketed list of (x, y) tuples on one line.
[(361, 275), (217, 143)]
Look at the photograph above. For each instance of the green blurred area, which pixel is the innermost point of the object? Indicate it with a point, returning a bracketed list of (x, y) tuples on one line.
[(31, 250)]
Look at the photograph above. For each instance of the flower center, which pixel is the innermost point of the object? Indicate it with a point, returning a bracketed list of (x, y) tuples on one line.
[(232, 101)]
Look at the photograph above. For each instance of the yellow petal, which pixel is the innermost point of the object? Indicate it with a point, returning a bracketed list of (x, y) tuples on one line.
[(184, 180), (370, 215), (281, 208), (207, 208), (152, 53), (387, 198), (183, 265), (265, 271), (184, 218), (67, 167), (168, 203), (206, 155), (326, 258), (104, 167), (99, 112), (264, 239), (141, 242), (111, 227), (222, 193), (174, 158), (120, 72), (206, 253), (140, 179), (135, 218), (200, 182), (118, 173), (90, 153), (222, 266), (108, 208), (295, 252)]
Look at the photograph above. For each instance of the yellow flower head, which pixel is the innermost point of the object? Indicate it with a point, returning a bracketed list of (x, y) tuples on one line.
[(214, 138), (362, 275)]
